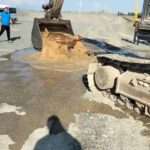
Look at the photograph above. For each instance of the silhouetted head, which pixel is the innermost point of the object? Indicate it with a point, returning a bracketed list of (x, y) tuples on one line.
[(54, 125)]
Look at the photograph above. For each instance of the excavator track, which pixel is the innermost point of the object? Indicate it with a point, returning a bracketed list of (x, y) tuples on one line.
[(131, 87)]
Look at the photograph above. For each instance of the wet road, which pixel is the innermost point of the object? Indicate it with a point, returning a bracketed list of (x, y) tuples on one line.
[(50, 90), (41, 94)]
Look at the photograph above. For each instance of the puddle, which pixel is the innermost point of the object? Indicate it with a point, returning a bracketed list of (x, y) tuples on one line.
[(95, 46), (31, 56), (19, 55)]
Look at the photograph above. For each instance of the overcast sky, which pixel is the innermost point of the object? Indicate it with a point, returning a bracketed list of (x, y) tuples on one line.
[(78, 5)]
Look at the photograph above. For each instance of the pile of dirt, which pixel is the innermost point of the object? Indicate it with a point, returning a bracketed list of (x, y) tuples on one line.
[(62, 47), (61, 51)]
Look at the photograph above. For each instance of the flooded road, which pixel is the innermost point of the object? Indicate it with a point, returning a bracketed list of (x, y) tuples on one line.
[(40, 93)]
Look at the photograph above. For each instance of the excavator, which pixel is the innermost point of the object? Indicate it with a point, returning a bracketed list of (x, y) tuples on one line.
[(124, 79), (52, 21), (142, 27)]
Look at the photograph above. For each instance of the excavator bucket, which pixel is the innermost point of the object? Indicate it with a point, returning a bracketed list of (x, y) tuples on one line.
[(40, 25)]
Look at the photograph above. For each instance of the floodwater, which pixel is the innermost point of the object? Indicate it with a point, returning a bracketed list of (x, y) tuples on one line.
[(42, 93)]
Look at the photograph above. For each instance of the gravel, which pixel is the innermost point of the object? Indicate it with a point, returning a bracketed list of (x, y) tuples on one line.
[(104, 132)]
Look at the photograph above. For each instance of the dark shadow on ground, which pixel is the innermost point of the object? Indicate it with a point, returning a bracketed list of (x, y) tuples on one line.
[(85, 82), (12, 39), (102, 47), (15, 38), (131, 42), (127, 40), (58, 138), (101, 44)]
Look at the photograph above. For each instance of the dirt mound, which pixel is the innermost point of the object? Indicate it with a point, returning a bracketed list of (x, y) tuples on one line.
[(62, 52), (62, 47)]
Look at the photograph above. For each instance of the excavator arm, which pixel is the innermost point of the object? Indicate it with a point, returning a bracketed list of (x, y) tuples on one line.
[(52, 22)]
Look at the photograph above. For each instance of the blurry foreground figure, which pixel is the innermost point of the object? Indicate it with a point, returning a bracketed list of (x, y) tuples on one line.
[(5, 21), (58, 138), (53, 9)]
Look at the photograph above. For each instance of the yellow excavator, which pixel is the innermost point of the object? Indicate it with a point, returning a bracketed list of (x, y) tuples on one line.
[(137, 13), (142, 26), (124, 78)]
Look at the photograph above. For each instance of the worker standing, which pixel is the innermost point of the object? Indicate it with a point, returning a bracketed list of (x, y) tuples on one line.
[(5, 21)]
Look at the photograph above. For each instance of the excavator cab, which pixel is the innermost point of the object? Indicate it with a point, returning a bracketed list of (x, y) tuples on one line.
[(52, 22)]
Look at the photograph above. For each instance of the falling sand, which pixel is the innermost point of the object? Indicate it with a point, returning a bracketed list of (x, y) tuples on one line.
[(63, 49), (60, 46)]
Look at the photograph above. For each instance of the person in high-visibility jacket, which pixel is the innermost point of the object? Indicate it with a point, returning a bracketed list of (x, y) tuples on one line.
[(53, 9), (5, 22)]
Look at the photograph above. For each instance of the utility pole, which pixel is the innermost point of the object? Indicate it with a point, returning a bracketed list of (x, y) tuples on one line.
[(81, 6), (137, 10)]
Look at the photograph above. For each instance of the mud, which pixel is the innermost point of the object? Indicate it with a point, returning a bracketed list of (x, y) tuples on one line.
[(63, 52)]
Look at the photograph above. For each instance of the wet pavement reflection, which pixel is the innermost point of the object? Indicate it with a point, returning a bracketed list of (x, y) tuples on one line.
[(41, 93)]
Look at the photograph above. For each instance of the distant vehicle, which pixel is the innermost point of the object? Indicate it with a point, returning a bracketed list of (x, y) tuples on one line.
[(13, 12), (142, 28)]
